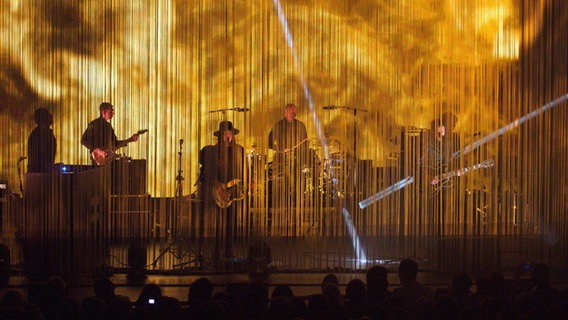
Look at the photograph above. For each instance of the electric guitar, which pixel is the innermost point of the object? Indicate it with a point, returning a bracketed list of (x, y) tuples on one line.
[(106, 156), (235, 190), (442, 179)]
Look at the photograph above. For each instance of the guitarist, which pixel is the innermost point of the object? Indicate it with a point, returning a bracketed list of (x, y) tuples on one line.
[(441, 145), (222, 164), (99, 137)]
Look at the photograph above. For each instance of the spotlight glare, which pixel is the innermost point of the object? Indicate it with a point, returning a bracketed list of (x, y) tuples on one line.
[(359, 251), (509, 127), (307, 93), (385, 192)]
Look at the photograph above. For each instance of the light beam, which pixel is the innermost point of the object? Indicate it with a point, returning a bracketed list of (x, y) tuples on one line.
[(509, 127), (307, 93), (385, 192), (356, 242)]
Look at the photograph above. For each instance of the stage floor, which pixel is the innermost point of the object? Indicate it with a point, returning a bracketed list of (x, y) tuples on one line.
[(80, 257), (175, 282), (300, 262)]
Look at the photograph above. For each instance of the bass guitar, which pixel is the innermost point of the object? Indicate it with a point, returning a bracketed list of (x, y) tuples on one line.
[(233, 188), (105, 156)]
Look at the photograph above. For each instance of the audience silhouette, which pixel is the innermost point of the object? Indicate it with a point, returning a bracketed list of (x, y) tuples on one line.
[(490, 297)]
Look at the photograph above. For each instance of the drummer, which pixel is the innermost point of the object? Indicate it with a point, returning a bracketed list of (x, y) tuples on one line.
[(289, 140)]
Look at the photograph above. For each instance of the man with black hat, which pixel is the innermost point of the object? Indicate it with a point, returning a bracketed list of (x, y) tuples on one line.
[(99, 137), (221, 184)]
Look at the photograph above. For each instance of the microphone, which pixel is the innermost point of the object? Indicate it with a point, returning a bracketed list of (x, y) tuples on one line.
[(240, 109), (180, 142), (330, 107), (22, 159)]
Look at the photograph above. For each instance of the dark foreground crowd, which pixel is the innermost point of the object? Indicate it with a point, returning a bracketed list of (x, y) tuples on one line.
[(494, 298)]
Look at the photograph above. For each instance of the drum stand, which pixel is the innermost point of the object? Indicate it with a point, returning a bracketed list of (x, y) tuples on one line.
[(178, 248)]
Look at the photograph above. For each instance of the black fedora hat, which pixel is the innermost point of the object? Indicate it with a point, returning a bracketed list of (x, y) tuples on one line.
[(226, 126)]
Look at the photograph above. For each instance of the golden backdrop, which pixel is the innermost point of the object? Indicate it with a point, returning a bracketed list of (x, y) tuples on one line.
[(173, 66), (166, 65)]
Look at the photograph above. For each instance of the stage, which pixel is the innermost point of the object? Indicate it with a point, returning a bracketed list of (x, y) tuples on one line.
[(89, 257), (139, 239), (91, 221)]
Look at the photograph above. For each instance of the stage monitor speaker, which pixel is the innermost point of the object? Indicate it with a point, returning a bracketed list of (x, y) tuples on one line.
[(259, 258), (4, 264), (137, 260), (137, 256)]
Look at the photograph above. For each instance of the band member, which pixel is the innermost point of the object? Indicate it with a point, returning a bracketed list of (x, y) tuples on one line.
[(441, 192), (41, 143), (99, 137), (438, 152), (221, 185), (443, 143), (289, 140)]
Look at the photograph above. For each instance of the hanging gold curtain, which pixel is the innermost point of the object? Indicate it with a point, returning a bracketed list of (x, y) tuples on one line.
[(388, 69)]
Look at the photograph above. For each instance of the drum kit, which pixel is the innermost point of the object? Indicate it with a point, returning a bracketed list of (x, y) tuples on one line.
[(330, 177)]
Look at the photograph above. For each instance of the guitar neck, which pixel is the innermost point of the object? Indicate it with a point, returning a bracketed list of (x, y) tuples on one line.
[(448, 175), (454, 173)]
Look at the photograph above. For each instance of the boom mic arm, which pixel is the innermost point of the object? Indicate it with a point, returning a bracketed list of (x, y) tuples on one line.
[(230, 109), (343, 107)]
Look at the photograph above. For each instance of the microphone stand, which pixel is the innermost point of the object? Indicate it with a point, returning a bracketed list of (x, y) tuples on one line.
[(20, 174), (177, 216), (179, 179), (355, 166), (355, 109)]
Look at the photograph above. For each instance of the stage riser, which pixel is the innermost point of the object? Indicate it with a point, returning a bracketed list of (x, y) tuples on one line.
[(65, 218)]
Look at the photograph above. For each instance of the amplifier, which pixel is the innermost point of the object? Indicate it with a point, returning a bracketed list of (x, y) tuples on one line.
[(129, 177)]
